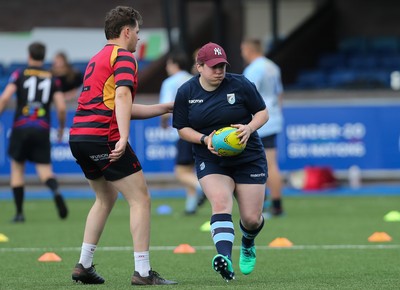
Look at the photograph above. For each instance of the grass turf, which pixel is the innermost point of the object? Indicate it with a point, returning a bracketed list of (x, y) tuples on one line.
[(329, 233)]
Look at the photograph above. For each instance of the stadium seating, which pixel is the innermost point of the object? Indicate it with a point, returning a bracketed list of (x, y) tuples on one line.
[(359, 62), (311, 79)]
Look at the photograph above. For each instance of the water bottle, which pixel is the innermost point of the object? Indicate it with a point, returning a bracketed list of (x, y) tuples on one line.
[(354, 176)]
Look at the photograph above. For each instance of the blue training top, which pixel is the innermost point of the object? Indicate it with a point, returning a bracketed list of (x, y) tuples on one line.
[(235, 101), (266, 76)]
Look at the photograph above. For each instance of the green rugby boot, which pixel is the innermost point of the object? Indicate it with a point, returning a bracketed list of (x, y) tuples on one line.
[(223, 265), (247, 260)]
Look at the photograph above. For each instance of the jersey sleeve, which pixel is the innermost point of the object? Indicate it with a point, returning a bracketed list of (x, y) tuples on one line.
[(57, 85), (180, 117), (14, 76), (125, 69), (254, 100)]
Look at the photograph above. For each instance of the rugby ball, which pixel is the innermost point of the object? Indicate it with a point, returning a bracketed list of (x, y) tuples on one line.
[(226, 142)]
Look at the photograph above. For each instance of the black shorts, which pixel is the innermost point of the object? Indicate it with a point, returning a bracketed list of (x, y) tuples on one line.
[(93, 159), (184, 154), (269, 142), (30, 144), (255, 172)]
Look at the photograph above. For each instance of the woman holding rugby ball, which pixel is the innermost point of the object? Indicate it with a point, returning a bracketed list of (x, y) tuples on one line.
[(210, 101)]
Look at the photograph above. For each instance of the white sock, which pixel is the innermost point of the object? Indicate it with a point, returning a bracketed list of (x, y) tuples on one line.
[(87, 253), (142, 263)]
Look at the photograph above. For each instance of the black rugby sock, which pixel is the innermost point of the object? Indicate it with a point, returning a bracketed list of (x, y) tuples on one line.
[(52, 183), (18, 193), (249, 236)]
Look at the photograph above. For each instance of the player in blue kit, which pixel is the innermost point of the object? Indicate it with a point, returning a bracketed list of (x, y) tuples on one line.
[(184, 163), (266, 76), (206, 103)]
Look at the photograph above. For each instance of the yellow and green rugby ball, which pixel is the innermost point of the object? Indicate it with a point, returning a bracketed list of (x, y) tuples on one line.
[(226, 142)]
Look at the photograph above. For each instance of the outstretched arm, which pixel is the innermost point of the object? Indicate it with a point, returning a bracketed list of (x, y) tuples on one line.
[(140, 111), (6, 96), (61, 108)]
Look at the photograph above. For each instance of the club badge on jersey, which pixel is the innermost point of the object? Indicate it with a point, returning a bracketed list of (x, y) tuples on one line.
[(231, 98)]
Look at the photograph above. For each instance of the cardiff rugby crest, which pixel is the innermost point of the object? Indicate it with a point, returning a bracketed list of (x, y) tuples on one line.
[(231, 98)]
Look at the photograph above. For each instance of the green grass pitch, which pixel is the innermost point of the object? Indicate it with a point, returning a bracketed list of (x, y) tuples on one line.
[(329, 235)]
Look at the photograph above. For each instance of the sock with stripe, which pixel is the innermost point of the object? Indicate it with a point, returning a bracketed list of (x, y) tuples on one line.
[(223, 233), (249, 236)]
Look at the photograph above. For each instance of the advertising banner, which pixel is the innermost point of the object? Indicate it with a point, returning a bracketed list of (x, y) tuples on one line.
[(340, 136), (337, 136)]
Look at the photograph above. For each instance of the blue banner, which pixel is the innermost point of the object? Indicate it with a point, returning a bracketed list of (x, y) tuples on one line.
[(340, 136), (332, 135), (154, 146)]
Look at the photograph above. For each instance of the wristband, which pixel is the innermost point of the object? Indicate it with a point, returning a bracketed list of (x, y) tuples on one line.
[(202, 139)]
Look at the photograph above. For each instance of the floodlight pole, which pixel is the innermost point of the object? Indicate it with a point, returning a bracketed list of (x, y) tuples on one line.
[(274, 23)]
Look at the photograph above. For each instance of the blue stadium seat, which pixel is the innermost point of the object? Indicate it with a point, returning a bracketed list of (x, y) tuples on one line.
[(142, 64), (2, 70), (47, 65), (384, 44), (375, 78), (311, 79), (363, 61), (353, 45), (329, 61), (80, 66), (8, 70), (390, 62), (341, 78), (3, 83)]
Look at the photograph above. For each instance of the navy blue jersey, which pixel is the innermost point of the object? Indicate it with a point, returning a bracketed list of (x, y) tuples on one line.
[(235, 101)]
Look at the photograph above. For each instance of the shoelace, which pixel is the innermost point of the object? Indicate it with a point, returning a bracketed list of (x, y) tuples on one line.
[(248, 252), (156, 274)]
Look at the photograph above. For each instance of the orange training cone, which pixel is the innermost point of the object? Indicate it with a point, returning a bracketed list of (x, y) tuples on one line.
[(49, 257), (379, 237), (184, 249), (280, 242)]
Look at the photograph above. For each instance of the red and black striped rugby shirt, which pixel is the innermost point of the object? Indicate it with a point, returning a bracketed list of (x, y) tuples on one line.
[(95, 119)]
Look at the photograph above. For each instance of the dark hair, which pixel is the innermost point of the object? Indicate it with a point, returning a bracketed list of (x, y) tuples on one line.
[(180, 59), (119, 17), (37, 51)]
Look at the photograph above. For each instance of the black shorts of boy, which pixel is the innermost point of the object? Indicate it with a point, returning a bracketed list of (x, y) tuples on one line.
[(30, 144), (94, 161), (254, 172), (269, 142), (184, 153)]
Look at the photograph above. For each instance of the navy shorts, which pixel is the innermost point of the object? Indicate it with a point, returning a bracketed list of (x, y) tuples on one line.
[(269, 142), (30, 144), (184, 154), (93, 159), (254, 172)]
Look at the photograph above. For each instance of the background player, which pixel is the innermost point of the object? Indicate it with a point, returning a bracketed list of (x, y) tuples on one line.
[(71, 78), (35, 89), (266, 75), (184, 163)]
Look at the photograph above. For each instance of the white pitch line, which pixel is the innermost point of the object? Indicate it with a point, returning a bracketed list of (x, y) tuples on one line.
[(207, 248)]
